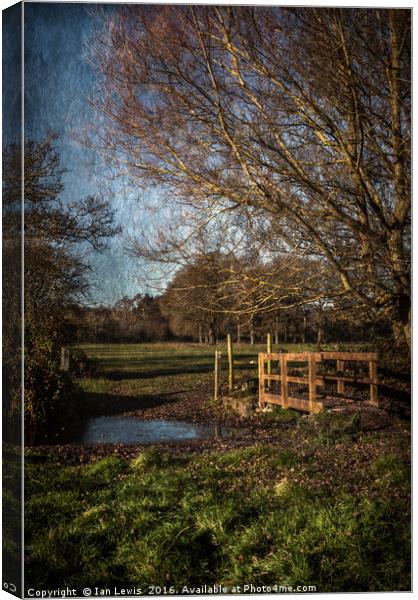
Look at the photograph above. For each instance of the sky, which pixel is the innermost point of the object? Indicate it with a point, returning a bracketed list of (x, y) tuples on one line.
[(58, 82)]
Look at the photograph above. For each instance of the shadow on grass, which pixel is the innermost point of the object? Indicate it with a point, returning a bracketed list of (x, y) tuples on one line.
[(397, 401), (102, 404), (178, 369), (117, 375), (171, 359), (404, 376)]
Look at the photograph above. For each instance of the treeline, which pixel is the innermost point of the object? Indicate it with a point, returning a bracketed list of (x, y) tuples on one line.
[(145, 318), (137, 319)]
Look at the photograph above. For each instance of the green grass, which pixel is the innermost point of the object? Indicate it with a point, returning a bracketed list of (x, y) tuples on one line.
[(229, 518), (326, 505), (131, 372), (12, 513), (277, 414)]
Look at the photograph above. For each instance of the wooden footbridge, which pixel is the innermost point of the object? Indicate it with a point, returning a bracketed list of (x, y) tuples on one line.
[(314, 370)]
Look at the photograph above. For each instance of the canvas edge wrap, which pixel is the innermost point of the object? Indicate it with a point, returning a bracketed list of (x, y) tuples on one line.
[(12, 280)]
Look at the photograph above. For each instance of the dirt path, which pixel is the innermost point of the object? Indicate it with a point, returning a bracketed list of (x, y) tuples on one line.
[(193, 405)]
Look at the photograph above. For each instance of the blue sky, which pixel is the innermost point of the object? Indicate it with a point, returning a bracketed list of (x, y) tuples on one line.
[(58, 82)]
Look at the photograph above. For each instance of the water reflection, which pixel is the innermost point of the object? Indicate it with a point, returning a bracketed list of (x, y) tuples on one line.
[(128, 430)]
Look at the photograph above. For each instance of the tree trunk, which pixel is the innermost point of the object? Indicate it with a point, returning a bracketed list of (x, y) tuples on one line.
[(238, 332), (402, 302), (251, 332), (401, 323), (276, 330), (211, 336), (305, 326), (200, 334), (406, 326), (320, 328)]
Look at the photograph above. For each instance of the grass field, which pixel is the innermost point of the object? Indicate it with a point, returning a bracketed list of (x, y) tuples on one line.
[(128, 372), (325, 505)]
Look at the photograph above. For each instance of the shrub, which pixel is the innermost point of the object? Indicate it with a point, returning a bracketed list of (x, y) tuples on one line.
[(81, 365), (328, 427), (51, 396)]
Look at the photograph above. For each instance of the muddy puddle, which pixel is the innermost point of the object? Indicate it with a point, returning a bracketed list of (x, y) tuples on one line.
[(128, 430)]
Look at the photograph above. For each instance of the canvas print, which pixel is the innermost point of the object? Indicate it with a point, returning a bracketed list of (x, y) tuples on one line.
[(206, 299)]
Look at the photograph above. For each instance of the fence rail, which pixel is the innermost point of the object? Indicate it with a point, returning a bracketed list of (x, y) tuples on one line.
[(312, 404)]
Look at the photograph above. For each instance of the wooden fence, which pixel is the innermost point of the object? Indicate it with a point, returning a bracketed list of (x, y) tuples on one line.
[(312, 404)]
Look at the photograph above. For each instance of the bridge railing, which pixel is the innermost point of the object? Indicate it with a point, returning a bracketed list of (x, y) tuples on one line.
[(313, 379)]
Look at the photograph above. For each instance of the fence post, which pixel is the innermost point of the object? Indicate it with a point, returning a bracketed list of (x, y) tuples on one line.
[(373, 384), (283, 376), (312, 383), (340, 384), (261, 402), (230, 363), (218, 355), (65, 359), (269, 361)]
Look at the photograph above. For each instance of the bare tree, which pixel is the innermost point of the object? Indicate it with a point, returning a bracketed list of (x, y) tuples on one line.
[(197, 302), (55, 269), (56, 273), (298, 117)]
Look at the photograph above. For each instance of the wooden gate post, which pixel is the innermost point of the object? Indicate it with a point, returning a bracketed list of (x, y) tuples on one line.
[(373, 384), (65, 359), (269, 361), (340, 383), (283, 377), (218, 356), (230, 363), (312, 384), (261, 401)]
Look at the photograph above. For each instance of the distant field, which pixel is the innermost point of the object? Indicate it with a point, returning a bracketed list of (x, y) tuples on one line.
[(144, 370)]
